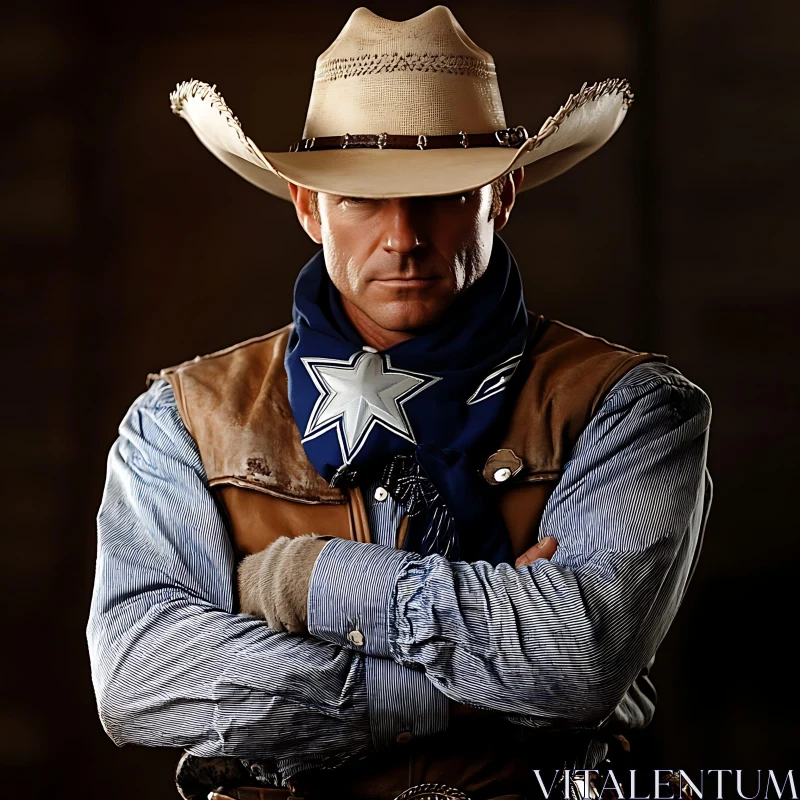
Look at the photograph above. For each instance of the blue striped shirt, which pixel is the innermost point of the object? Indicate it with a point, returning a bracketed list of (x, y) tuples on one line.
[(556, 643)]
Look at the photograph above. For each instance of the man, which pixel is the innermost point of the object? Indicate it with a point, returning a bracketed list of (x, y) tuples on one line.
[(421, 542)]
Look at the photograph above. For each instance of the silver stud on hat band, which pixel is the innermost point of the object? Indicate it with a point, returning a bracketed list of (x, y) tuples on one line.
[(507, 137)]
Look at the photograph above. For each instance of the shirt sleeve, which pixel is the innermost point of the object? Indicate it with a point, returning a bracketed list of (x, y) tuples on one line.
[(559, 640), (171, 663), (403, 703)]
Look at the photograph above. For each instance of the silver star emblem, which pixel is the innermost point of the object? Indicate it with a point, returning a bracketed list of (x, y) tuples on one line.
[(359, 393)]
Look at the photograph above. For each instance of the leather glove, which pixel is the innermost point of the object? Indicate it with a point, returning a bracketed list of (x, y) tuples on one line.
[(274, 583)]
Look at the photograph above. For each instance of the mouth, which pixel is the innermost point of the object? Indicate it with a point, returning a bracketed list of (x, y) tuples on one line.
[(406, 283)]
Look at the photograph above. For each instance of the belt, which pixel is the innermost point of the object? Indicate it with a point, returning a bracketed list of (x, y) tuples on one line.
[(427, 791), (486, 762), (250, 793), (422, 791)]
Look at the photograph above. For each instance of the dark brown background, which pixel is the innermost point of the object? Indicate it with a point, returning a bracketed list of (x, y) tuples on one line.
[(128, 247)]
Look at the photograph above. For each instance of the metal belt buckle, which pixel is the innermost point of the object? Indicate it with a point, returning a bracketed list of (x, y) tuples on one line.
[(432, 791)]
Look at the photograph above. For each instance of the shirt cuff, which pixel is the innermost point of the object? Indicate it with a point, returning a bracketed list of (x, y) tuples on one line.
[(351, 589), (403, 704)]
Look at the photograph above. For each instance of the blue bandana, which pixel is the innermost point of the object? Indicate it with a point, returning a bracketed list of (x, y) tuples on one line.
[(420, 413)]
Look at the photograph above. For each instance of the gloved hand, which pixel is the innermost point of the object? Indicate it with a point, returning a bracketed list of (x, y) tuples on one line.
[(273, 584)]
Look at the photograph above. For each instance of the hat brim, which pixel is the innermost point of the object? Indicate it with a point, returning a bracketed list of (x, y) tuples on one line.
[(581, 126)]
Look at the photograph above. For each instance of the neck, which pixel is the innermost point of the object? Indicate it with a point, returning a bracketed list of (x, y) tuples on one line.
[(370, 331)]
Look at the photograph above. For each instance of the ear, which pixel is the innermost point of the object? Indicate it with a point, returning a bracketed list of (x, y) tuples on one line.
[(302, 205), (508, 196)]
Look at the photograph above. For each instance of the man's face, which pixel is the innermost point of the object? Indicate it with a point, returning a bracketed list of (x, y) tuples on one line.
[(401, 262)]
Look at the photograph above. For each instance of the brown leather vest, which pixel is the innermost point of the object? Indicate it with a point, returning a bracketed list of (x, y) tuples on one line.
[(235, 405)]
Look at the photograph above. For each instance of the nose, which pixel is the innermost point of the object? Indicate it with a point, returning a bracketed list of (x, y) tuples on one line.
[(402, 234)]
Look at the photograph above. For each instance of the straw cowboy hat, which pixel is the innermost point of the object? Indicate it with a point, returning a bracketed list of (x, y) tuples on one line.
[(403, 109)]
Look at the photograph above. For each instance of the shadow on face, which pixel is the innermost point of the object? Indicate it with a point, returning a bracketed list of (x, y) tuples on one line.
[(400, 263)]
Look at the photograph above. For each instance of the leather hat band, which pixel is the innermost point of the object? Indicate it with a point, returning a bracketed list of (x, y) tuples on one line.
[(508, 137)]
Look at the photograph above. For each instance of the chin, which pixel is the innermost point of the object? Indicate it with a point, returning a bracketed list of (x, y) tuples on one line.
[(409, 321)]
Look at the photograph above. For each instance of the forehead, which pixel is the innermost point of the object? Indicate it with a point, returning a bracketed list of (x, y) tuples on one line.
[(330, 196)]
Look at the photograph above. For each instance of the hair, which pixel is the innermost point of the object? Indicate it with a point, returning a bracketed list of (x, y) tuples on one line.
[(497, 199)]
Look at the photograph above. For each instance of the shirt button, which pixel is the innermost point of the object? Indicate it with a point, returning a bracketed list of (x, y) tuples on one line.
[(381, 494), (405, 736), (356, 638), (502, 474)]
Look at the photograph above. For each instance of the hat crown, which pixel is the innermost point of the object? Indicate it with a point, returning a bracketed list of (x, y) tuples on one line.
[(419, 76), (435, 31)]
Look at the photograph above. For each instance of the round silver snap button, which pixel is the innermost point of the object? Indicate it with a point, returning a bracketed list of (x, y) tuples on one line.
[(367, 349), (381, 494), (502, 474), (356, 638)]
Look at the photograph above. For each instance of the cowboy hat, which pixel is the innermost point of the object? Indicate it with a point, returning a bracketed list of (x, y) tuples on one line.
[(403, 109)]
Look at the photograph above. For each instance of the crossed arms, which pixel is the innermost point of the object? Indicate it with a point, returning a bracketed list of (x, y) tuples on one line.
[(555, 641)]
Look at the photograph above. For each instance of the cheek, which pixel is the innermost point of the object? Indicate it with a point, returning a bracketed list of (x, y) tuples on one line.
[(343, 264), (476, 237)]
